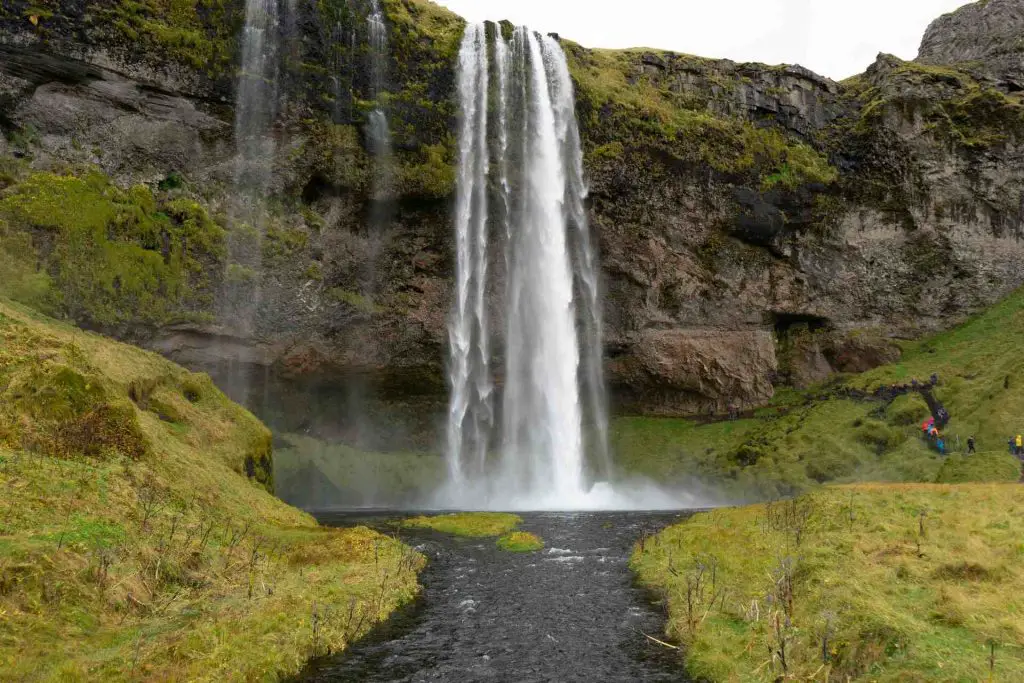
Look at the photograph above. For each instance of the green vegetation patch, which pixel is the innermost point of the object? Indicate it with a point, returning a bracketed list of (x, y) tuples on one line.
[(396, 476), (951, 103), (625, 106), (80, 246), (881, 583), (199, 34), (175, 563), (805, 438), (472, 524), (521, 542)]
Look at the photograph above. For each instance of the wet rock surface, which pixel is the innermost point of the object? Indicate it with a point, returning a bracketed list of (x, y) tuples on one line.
[(570, 612), (920, 228)]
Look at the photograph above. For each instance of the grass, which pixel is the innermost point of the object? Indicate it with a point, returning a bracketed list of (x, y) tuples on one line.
[(805, 438), (866, 582), (470, 524), (521, 542), (158, 553)]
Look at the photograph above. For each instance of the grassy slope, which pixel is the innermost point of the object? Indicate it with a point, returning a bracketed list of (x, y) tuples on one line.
[(871, 582), (805, 438), (154, 557)]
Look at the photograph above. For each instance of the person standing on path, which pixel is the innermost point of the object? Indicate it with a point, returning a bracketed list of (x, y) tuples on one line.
[(1018, 445), (970, 445)]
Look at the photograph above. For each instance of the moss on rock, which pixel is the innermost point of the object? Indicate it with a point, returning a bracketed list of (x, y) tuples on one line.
[(619, 104), (109, 255)]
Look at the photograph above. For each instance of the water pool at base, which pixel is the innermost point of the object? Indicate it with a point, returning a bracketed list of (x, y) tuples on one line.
[(570, 612)]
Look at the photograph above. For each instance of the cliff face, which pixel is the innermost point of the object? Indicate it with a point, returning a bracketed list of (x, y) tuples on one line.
[(758, 225), (987, 37)]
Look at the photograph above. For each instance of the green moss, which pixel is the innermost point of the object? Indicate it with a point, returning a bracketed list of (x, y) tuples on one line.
[(907, 410), (879, 436), (472, 524), (62, 411), (358, 301), (113, 255), (609, 152), (951, 103), (282, 246), (199, 34), (396, 476), (333, 154), (521, 542), (431, 175), (624, 106), (20, 276), (424, 41)]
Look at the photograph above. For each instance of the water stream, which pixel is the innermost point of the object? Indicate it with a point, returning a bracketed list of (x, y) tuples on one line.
[(568, 613), (256, 100)]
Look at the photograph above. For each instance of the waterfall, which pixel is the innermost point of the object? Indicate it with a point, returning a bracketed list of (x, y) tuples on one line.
[(378, 128), (587, 269), (553, 376), (256, 100), (469, 370)]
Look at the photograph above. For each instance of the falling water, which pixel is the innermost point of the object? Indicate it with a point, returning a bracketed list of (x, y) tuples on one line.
[(256, 102), (469, 415), (255, 111), (549, 254), (585, 253), (378, 129)]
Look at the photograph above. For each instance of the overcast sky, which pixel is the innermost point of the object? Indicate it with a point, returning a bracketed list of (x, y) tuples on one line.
[(836, 38)]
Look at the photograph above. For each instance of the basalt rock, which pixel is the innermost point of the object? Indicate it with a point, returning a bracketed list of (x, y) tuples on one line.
[(983, 36), (736, 205)]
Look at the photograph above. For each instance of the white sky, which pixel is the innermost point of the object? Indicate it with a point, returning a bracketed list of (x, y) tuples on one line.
[(835, 38)]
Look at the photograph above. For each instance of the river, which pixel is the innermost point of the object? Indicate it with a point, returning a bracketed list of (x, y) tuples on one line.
[(571, 612)]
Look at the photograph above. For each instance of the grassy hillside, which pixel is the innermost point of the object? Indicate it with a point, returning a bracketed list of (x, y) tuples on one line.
[(138, 540), (868, 582), (822, 435)]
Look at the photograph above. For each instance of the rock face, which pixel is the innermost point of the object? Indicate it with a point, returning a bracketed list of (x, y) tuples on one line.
[(683, 371), (988, 36), (758, 225)]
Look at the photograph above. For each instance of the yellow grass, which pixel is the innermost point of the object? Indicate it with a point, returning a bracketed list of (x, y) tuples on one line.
[(520, 542), (173, 565), (895, 582), (473, 524)]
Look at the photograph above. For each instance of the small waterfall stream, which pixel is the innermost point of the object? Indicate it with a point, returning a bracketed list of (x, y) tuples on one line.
[(378, 128), (256, 101), (553, 376)]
